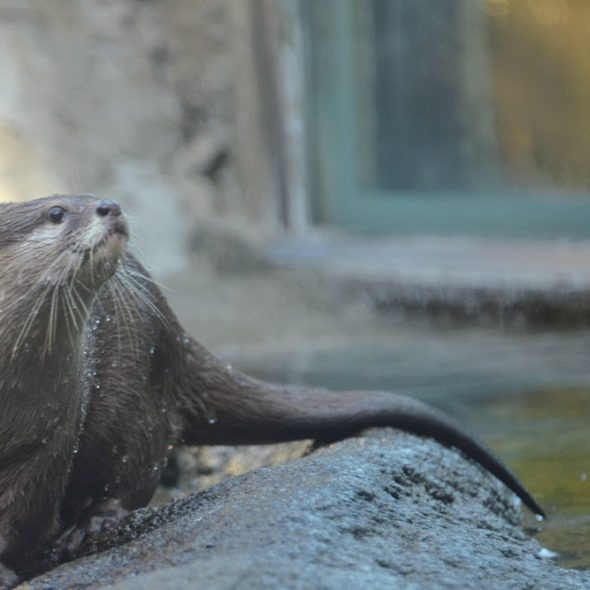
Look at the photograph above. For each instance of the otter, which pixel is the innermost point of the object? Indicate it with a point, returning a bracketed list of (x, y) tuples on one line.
[(99, 381)]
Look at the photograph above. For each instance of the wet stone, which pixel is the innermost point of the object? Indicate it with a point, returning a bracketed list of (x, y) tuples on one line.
[(330, 520)]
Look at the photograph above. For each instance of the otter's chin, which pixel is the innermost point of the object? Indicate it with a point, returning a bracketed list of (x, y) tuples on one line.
[(113, 242), (101, 261), (113, 245)]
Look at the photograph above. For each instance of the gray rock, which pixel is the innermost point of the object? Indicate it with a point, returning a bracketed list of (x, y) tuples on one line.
[(388, 510)]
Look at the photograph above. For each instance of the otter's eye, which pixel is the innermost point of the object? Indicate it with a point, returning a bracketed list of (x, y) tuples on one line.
[(56, 214)]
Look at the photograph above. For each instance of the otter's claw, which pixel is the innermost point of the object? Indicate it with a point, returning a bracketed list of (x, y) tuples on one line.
[(98, 518)]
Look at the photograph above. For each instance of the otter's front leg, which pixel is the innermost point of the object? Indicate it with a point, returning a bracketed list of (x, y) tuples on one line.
[(29, 509)]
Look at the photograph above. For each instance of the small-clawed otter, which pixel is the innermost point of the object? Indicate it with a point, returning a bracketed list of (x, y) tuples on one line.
[(98, 381)]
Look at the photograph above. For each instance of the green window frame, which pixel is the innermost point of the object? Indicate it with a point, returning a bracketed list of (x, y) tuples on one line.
[(338, 197)]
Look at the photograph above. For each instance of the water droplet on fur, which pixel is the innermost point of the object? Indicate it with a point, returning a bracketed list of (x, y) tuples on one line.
[(115, 364), (152, 349), (125, 459)]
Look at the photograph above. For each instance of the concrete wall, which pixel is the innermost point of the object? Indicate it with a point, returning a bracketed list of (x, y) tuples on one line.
[(131, 99)]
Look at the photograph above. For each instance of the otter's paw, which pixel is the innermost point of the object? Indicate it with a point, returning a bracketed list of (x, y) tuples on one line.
[(99, 517)]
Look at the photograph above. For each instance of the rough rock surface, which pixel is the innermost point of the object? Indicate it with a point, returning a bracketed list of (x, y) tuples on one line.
[(388, 510)]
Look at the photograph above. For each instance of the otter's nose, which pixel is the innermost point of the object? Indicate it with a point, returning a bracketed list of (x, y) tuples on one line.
[(108, 207)]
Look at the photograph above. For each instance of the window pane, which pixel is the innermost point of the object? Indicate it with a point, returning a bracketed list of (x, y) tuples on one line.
[(464, 95), (450, 116)]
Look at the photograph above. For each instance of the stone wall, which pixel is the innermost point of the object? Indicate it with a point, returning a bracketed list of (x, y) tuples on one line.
[(130, 99)]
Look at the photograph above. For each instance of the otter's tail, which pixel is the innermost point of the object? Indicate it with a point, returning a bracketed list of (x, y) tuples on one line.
[(226, 407)]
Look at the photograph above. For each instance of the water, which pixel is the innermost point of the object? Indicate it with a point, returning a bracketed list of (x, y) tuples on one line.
[(527, 395)]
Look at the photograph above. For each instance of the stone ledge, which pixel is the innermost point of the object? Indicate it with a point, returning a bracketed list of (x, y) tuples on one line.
[(538, 282), (388, 510)]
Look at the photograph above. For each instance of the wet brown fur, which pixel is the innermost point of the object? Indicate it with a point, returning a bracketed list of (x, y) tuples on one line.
[(98, 385)]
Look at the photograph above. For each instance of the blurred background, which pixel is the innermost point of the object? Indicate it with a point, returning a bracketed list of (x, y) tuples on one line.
[(388, 194)]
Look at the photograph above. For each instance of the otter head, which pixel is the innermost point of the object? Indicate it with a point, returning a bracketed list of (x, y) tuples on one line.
[(61, 240), (55, 254)]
